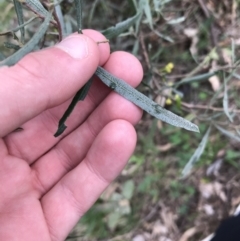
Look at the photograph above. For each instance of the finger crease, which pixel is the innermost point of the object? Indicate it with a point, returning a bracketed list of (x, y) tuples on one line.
[(94, 171)]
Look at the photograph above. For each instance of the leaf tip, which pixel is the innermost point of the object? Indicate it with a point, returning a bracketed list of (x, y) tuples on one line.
[(193, 127), (60, 130)]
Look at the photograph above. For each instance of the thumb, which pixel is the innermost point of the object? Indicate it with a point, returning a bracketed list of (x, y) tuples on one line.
[(47, 78)]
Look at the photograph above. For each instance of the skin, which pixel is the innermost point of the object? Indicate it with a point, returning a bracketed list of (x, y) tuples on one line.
[(47, 184)]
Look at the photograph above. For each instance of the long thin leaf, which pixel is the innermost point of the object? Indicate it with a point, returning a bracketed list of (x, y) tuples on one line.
[(227, 133), (196, 155), (131, 94), (11, 46), (135, 4), (19, 12), (158, 5), (165, 37), (78, 6), (120, 27), (17, 28), (84, 90), (37, 7), (225, 101), (233, 54), (2, 56), (58, 17), (80, 95), (92, 11), (196, 78), (144, 5), (59, 14), (27, 48)]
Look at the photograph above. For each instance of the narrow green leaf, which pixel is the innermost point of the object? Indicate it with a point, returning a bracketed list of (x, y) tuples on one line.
[(158, 5), (233, 51), (120, 27), (92, 11), (225, 100), (196, 78), (37, 7), (58, 17), (2, 56), (19, 12), (78, 6), (17, 28), (80, 96), (165, 37), (227, 133), (61, 125), (144, 5), (139, 99), (236, 76), (196, 155), (135, 4), (238, 131), (27, 48), (84, 90), (11, 46)]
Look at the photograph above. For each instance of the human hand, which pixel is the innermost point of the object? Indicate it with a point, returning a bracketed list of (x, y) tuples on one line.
[(48, 183)]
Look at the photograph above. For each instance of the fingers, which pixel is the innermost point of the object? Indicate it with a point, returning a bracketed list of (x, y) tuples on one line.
[(68, 153), (37, 137), (80, 188), (47, 78)]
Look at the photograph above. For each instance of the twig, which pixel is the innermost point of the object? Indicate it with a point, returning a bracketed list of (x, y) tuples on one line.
[(144, 50), (204, 107)]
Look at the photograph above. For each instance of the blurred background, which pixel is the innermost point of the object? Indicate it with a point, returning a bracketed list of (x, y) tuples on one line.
[(178, 185)]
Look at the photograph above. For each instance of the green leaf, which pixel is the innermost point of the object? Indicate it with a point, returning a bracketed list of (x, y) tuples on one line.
[(11, 46), (225, 101), (196, 155), (78, 6), (120, 27), (17, 28), (227, 133), (233, 54), (231, 154), (19, 12), (165, 37), (2, 56), (144, 5), (37, 7), (80, 96), (158, 5), (84, 90), (196, 78), (139, 99), (27, 48), (61, 24)]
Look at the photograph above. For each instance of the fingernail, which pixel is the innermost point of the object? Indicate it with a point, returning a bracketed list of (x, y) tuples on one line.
[(75, 46)]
